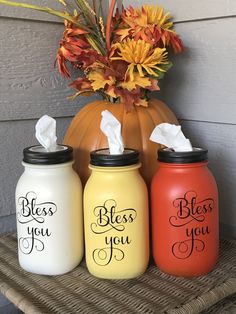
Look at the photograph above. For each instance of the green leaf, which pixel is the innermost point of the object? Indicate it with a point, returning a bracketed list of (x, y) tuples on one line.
[(64, 15), (161, 74)]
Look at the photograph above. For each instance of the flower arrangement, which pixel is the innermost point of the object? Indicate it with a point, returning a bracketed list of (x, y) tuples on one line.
[(123, 58)]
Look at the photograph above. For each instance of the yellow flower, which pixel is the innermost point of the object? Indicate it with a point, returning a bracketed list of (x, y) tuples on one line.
[(99, 80), (141, 55)]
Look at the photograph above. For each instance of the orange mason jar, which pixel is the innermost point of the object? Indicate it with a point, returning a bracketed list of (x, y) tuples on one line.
[(184, 200)]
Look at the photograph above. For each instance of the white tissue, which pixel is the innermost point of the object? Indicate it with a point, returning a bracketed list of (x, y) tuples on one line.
[(111, 127), (45, 132), (171, 136)]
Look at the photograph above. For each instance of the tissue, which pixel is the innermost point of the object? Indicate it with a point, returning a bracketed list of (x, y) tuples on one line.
[(171, 136), (45, 132), (111, 127)]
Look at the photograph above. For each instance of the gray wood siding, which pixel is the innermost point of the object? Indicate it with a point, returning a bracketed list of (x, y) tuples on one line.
[(21, 13), (29, 14), (203, 77), (188, 10), (200, 88), (30, 85)]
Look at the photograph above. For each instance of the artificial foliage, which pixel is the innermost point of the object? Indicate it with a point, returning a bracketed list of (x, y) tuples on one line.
[(122, 57)]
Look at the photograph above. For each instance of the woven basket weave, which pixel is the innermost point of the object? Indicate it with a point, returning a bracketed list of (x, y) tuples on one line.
[(79, 292)]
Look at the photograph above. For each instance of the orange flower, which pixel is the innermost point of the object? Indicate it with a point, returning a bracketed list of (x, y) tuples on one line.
[(150, 24), (71, 46)]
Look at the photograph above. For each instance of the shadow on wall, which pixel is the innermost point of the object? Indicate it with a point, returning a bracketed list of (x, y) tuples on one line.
[(174, 84)]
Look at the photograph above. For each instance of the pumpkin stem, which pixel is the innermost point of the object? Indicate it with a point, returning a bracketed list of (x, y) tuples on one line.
[(108, 26)]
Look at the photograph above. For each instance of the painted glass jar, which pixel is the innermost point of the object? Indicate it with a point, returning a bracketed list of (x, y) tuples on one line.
[(49, 212), (184, 201), (116, 216)]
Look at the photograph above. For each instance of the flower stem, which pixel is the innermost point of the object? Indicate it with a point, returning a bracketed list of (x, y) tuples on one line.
[(108, 26), (65, 15)]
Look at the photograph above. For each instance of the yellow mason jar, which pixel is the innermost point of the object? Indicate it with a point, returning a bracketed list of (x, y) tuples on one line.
[(116, 216)]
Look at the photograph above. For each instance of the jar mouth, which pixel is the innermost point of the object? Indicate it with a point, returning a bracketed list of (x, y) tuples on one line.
[(103, 158), (113, 169), (38, 155), (167, 155)]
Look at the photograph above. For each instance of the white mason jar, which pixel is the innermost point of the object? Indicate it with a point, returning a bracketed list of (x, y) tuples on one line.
[(49, 212)]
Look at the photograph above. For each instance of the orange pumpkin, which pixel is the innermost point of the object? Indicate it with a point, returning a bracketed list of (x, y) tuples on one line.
[(84, 133)]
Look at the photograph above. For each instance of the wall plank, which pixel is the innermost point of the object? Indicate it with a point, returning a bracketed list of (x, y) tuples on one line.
[(201, 83), (21, 13), (218, 139), (29, 84), (192, 9), (185, 10), (7, 225), (14, 137)]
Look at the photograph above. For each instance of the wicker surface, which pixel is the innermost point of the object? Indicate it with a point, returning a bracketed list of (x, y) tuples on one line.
[(225, 306), (79, 292)]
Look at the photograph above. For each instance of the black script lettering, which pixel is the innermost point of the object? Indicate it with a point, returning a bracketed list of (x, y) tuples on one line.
[(38, 232), (31, 211), (36, 213), (197, 231), (117, 240), (109, 218), (190, 211), (31, 241), (184, 249), (105, 255)]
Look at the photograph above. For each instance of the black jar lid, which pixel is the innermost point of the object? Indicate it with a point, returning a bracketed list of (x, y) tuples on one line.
[(103, 158), (38, 155), (169, 156)]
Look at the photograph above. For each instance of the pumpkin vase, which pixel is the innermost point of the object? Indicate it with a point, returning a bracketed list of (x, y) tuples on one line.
[(84, 133)]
